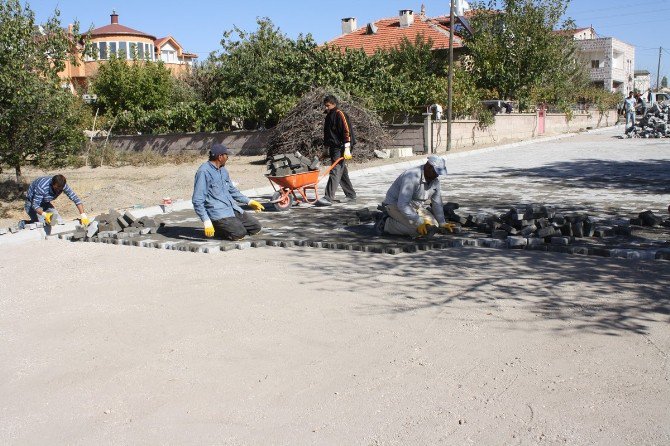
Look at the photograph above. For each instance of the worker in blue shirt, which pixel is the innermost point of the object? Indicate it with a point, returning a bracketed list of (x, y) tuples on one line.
[(215, 200), (42, 192)]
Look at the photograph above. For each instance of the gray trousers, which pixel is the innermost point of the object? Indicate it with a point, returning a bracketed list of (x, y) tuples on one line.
[(399, 224), (339, 175)]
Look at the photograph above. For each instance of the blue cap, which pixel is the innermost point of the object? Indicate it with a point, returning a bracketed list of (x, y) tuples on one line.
[(438, 164), (219, 149)]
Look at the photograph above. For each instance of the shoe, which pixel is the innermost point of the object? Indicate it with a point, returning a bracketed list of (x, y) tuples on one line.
[(322, 202), (380, 225), (348, 200)]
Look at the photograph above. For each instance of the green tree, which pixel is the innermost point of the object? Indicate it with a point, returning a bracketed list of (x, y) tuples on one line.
[(39, 121), (517, 53), (133, 85)]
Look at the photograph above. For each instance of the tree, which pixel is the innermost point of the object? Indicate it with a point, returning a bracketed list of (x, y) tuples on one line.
[(39, 121), (517, 53), (664, 82)]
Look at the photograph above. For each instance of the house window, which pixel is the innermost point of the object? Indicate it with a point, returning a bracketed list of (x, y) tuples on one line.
[(132, 46), (94, 50), (112, 48), (147, 51), (123, 50), (103, 50), (140, 50), (595, 64), (169, 56)]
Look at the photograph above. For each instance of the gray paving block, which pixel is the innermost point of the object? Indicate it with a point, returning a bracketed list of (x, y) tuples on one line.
[(492, 243), (360, 248), (457, 242), (258, 243), (230, 246), (122, 222), (4, 231), (121, 235), (581, 250), (423, 246), (243, 245), (393, 250), (516, 242), (561, 241), (287, 244), (13, 229), (500, 234), (145, 231), (275, 243), (377, 249), (662, 254), (471, 242), (314, 244)]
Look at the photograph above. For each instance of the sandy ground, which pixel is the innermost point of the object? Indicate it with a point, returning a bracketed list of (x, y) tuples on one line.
[(106, 344), (104, 188)]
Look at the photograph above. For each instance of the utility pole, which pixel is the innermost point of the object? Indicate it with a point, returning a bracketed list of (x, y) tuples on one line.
[(450, 80), (658, 70)]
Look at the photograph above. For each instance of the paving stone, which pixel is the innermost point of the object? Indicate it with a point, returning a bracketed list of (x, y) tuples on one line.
[(258, 243), (472, 242), (622, 230), (31, 226), (457, 242), (650, 219), (600, 252), (535, 241), (527, 231), (13, 229), (662, 254), (287, 244), (500, 234), (230, 246), (314, 244), (122, 222), (145, 231), (546, 231), (243, 245), (274, 243), (561, 241), (4, 231), (378, 249), (582, 250), (393, 250), (515, 242), (492, 243), (410, 248), (589, 228)]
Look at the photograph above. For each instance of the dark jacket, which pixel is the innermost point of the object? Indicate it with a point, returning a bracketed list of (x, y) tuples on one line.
[(337, 129)]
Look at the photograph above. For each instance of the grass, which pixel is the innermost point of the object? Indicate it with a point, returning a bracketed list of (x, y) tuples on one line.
[(101, 155)]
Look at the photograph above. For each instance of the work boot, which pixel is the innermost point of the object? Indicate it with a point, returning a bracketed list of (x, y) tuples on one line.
[(349, 200), (322, 202), (380, 225)]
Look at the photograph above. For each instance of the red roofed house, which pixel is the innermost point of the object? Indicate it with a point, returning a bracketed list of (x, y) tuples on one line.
[(127, 43), (389, 33)]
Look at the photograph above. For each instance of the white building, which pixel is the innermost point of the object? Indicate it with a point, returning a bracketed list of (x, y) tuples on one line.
[(642, 81), (611, 62)]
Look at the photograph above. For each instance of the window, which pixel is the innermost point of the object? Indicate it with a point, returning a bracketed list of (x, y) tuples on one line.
[(595, 64), (147, 51), (123, 51), (132, 46), (112, 48), (169, 56), (94, 50), (103, 50), (140, 50)]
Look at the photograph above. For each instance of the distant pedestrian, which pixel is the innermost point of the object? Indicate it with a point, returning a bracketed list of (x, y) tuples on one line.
[(641, 105), (629, 110), (215, 200), (42, 192), (338, 137)]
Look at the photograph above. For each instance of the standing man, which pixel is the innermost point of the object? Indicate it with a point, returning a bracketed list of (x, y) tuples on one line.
[(629, 109), (338, 137), (42, 192), (215, 200), (406, 199)]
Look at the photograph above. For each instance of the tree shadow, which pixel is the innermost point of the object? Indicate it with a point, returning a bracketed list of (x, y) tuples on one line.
[(651, 176), (601, 296)]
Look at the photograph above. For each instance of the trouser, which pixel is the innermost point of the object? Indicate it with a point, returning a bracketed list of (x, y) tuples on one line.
[(338, 175), (237, 227), (630, 121), (399, 224)]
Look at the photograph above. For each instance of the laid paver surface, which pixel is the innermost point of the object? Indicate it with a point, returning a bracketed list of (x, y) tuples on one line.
[(598, 174)]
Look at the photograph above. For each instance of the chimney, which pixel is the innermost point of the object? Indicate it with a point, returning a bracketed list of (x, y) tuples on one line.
[(349, 25), (406, 18), (115, 17)]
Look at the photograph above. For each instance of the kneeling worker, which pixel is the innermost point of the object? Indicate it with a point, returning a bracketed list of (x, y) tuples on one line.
[(406, 198), (42, 192), (215, 200)]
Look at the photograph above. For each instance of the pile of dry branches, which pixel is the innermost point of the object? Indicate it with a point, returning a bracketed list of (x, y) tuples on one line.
[(302, 128)]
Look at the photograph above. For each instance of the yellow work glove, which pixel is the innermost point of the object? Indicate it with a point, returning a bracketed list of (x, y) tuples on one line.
[(256, 206), (347, 151), (423, 227), (47, 217), (83, 218), (448, 226), (209, 229)]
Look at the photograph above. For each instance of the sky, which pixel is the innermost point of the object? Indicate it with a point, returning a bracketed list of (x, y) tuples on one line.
[(198, 25)]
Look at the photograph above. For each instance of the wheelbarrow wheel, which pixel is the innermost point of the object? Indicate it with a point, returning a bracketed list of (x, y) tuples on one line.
[(282, 203)]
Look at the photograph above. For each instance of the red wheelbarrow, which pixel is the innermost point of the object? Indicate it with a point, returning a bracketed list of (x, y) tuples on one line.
[(285, 194)]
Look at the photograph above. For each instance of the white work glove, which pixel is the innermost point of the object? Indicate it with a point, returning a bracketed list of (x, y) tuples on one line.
[(347, 151)]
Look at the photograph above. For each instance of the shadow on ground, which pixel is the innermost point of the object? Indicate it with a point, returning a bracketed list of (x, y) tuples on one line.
[(601, 296)]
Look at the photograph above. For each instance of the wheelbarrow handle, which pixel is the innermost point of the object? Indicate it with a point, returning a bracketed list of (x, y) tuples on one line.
[(332, 166)]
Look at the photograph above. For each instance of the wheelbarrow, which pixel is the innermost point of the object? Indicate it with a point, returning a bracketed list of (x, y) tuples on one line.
[(293, 189)]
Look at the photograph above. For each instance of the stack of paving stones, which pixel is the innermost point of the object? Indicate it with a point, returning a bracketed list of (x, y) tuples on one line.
[(654, 124), (290, 164)]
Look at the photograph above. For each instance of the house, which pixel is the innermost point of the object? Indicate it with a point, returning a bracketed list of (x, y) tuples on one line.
[(388, 33), (642, 81), (125, 43), (609, 61)]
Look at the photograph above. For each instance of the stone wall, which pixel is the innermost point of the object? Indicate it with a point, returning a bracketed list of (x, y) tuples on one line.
[(507, 128)]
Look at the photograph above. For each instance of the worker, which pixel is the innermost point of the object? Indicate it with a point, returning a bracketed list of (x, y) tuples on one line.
[(338, 137), (629, 109), (405, 212), (215, 200), (42, 192), (641, 105)]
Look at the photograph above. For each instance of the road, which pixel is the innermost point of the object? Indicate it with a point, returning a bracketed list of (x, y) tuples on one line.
[(118, 344)]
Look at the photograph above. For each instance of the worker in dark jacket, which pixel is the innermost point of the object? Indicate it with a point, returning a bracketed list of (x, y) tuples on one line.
[(338, 137)]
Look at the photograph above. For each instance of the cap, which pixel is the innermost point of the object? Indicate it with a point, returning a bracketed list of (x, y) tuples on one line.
[(438, 164), (219, 149)]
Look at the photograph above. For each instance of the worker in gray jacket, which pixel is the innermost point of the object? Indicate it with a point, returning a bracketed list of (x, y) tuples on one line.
[(406, 199)]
